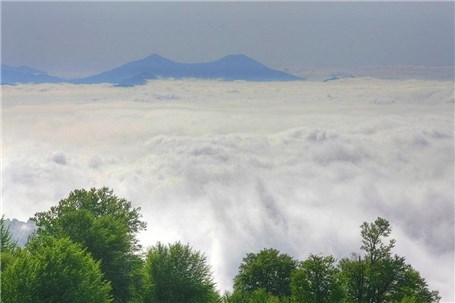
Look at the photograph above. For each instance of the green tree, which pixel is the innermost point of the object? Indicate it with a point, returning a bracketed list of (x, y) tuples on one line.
[(7, 244), (372, 282), (236, 297), (8, 251), (373, 240), (52, 270), (353, 277), (106, 226), (379, 276), (269, 270), (259, 295), (316, 281), (412, 287), (176, 273)]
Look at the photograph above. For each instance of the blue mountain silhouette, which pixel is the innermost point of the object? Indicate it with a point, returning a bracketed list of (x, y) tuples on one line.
[(232, 67), (229, 68), (23, 74)]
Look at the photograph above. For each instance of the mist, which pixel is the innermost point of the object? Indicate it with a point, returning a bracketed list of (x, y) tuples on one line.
[(234, 167)]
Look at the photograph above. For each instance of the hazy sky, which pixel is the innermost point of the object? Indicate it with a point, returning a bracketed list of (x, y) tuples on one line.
[(76, 38)]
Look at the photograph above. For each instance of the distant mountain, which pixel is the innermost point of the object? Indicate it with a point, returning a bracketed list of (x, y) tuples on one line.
[(233, 67), (23, 74), (229, 68)]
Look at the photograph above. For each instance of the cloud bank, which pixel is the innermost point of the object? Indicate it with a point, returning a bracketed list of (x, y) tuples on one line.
[(233, 167)]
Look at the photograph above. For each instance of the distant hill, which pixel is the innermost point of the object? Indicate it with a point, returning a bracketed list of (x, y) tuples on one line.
[(233, 67), (229, 68), (22, 74)]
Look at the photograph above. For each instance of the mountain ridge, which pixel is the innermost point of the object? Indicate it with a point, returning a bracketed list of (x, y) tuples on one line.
[(227, 68), (23, 74)]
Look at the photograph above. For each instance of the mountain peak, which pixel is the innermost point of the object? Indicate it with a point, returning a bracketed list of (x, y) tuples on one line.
[(156, 58), (237, 58), (154, 55)]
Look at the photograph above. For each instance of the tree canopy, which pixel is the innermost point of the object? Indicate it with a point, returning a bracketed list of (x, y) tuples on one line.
[(269, 270), (54, 270), (86, 250), (106, 226), (316, 280), (379, 276), (176, 273)]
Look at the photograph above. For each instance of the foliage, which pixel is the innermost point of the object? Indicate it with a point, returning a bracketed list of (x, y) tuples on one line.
[(353, 278), (85, 250), (413, 287), (373, 236), (268, 270), (54, 270), (176, 273), (235, 297), (316, 281), (8, 247), (379, 276), (95, 202), (7, 244), (259, 295), (106, 225)]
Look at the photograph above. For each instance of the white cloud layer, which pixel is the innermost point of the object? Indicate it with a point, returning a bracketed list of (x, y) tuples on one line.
[(233, 167)]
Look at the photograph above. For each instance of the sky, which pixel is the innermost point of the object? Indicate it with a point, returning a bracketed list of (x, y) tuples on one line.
[(235, 167), (83, 38)]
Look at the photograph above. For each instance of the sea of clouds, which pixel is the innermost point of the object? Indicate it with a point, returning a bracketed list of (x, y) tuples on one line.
[(234, 167)]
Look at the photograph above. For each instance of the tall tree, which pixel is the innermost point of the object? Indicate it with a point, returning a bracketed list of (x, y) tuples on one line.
[(8, 247), (269, 270), (7, 244), (52, 270), (379, 276), (316, 281), (107, 226), (176, 273), (373, 240)]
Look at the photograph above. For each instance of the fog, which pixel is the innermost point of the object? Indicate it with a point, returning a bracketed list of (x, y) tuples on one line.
[(234, 167)]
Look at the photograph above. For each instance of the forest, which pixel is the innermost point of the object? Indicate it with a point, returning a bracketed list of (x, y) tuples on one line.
[(85, 250)]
